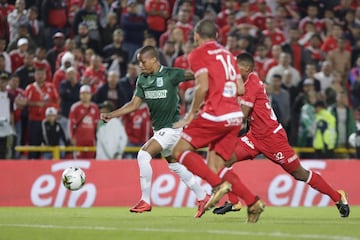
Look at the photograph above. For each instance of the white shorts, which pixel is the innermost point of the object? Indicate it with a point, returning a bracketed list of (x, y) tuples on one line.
[(167, 137)]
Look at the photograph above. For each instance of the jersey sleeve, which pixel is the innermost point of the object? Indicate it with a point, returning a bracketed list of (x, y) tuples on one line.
[(251, 88), (139, 92), (196, 64), (179, 75)]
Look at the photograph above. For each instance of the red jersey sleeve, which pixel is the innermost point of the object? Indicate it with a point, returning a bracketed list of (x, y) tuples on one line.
[(196, 63)]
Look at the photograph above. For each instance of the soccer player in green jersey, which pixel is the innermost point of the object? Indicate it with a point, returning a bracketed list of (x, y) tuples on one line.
[(158, 87)]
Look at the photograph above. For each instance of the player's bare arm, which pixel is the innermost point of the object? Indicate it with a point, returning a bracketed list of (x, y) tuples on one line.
[(240, 86), (127, 108), (201, 89), (246, 110), (189, 76)]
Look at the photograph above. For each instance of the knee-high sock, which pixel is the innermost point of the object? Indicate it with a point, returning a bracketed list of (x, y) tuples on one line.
[(189, 179), (233, 198), (318, 183), (196, 164), (237, 186), (144, 159)]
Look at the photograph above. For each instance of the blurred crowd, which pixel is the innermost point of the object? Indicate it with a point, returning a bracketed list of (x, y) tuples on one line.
[(62, 62)]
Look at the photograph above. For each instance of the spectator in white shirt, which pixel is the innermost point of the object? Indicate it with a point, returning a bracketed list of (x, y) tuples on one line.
[(284, 64), (325, 76)]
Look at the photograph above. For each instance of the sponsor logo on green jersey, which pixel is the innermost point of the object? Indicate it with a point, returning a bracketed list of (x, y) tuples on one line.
[(156, 94)]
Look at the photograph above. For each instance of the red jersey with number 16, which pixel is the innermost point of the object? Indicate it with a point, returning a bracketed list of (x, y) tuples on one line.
[(221, 100), (262, 118)]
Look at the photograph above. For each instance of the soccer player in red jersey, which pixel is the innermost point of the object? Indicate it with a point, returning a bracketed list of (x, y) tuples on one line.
[(267, 136), (217, 124)]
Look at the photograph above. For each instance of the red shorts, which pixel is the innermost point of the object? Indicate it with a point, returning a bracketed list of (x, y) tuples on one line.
[(221, 136), (275, 147)]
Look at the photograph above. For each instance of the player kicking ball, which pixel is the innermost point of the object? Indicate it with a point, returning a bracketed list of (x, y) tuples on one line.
[(267, 136), (157, 86)]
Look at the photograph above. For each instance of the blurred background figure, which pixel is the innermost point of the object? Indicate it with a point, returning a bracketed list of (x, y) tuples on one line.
[(354, 139), (40, 95), (16, 17), (110, 91), (282, 99), (354, 79), (7, 133), (69, 93), (83, 120), (111, 136), (325, 132), (138, 128), (115, 55), (52, 132), (19, 104), (345, 121), (307, 122), (134, 26)]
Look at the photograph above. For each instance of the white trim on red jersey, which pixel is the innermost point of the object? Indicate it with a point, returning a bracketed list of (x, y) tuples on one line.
[(200, 71), (222, 118)]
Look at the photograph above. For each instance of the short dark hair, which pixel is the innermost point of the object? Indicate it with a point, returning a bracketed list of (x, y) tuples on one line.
[(150, 50), (34, 8), (206, 29), (320, 103), (246, 57), (118, 31), (4, 76), (277, 76), (149, 36)]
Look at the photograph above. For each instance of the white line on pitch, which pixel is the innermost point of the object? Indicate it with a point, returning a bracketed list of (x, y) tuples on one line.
[(217, 232)]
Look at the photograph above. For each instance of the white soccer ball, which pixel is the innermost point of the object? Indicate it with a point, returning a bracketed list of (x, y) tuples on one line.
[(352, 140), (73, 178)]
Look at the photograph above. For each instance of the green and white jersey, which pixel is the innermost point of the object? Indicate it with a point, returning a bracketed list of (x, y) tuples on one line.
[(160, 92)]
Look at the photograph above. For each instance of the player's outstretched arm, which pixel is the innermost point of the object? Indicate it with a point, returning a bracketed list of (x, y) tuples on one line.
[(127, 108), (189, 76)]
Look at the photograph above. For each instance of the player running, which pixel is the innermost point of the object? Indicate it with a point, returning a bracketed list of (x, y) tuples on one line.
[(217, 124), (267, 136), (158, 87)]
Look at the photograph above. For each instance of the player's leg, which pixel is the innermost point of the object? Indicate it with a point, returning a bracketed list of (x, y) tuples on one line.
[(184, 153), (200, 133), (317, 182), (167, 140), (255, 204), (226, 147), (195, 163), (245, 149), (233, 203), (241, 153), (289, 161), (190, 181), (150, 149)]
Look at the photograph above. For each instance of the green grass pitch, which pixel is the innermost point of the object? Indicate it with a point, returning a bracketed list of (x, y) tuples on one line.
[(176, 223)]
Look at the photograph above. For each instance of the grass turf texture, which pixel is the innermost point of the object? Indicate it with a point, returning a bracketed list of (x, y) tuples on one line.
[(176, 223)]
